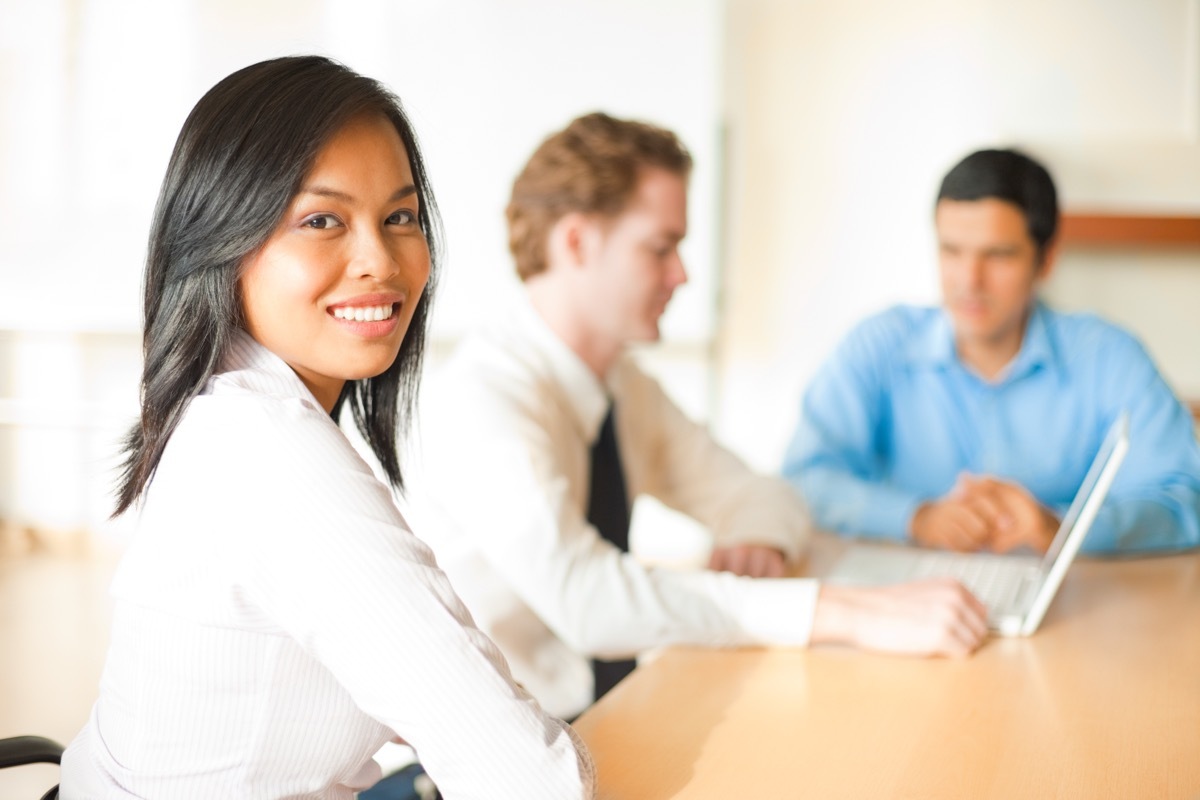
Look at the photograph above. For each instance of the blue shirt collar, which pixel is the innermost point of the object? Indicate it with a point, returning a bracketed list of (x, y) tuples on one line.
[(1037, 350), (934, 345)]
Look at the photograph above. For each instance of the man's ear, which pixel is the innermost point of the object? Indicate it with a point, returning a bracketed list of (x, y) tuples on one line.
[(571, 240), (1048, 261)]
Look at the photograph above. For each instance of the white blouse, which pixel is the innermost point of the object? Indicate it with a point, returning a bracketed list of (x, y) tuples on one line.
[(276, 622)]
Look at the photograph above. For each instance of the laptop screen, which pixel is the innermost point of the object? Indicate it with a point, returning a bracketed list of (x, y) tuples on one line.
[(1118, 431)]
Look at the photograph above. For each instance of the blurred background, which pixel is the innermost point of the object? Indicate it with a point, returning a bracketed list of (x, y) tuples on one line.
[(820, 131)]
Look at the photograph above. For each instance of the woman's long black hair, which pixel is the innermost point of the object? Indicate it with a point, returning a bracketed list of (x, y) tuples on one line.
[(240, 159)]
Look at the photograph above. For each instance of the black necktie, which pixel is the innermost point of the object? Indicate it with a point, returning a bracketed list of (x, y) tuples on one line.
[(608, 510)]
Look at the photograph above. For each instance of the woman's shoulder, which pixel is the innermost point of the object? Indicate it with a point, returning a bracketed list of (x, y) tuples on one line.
[(237, 442), (256, 474), (231, 413)]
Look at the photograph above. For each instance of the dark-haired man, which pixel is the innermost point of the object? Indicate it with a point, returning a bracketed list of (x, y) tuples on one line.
[(971, 426), (540, 431)]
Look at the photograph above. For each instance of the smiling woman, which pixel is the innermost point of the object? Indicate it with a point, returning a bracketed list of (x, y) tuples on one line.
[(334, 289), (248, 153), (276, 621)]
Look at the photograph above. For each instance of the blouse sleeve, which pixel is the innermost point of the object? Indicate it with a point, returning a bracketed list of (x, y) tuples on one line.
[(331, 561)]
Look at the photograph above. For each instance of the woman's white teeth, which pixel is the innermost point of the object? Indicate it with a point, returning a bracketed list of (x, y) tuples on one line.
[(363, 313)]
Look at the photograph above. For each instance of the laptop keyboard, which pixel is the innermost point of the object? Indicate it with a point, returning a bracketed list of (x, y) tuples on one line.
[(997, 582)]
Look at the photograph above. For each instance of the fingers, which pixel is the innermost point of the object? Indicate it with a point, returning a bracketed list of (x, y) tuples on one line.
[(754, 561), (1007, 541), (927, 618), (966, 528), (719, 559), (729, 559), (764, 562), (989, 505), (962, 641), (1025, 521), (1047, 530), (958, 618), (1017, 517), (954, 525), (975, 613)]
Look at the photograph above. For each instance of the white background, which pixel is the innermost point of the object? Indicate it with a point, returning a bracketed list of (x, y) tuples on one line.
[(820, 131)]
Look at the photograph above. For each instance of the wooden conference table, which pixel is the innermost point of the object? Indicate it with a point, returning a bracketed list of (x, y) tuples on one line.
[(1103, 701)]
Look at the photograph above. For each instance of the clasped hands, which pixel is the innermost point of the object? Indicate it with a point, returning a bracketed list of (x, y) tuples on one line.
[(984, 513)]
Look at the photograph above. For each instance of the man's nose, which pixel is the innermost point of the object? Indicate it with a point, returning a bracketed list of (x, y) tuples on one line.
[(676, 271), (973, 270)]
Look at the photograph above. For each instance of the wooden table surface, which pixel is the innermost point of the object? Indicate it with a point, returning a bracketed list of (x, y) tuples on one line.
[(1103, 701)]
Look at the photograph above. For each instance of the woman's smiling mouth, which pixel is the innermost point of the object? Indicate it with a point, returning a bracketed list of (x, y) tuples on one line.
[(365, 313)]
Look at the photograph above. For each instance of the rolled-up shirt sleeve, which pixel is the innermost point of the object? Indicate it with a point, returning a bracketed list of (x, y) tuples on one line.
[(599, 600)]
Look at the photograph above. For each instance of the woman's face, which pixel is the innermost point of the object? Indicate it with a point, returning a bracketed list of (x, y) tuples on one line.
[(334, 288)]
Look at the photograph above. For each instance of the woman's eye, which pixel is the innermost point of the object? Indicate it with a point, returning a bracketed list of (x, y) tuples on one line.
[(402, 217), (321, 222)]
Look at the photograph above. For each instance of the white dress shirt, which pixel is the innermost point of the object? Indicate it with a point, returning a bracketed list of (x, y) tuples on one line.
[(500, 494), (276, 622)]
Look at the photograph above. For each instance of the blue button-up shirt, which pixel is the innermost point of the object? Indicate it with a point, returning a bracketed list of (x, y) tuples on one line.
[(893, 418)]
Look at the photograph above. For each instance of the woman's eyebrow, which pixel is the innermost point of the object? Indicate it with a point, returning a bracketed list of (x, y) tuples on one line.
[(337, 194)]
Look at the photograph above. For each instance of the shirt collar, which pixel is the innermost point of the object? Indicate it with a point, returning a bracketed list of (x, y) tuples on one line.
[(247, 364), (1037, 350), (934, 345), (586, 395)]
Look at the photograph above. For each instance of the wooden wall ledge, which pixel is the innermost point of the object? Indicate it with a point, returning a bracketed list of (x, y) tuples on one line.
[(1130, 230)]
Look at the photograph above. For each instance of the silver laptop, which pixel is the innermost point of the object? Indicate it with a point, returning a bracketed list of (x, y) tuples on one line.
[(1017, 589)]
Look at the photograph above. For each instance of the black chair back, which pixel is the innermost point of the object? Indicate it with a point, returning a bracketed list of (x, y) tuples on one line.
[(18, 751)]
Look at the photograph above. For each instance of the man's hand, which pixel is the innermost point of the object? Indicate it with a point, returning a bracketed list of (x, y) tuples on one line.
[(984, 513), (926, 618), (752, 560), (958, 521), (1022, 520)]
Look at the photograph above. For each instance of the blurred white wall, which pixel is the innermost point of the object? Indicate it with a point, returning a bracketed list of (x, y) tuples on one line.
[(820, 132)]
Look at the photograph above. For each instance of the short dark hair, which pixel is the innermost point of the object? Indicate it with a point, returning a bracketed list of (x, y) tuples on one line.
[(239, 161), (591, 166), (1012, 176)]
